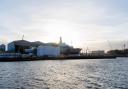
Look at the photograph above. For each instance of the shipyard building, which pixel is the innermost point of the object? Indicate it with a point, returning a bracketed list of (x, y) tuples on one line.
[(98, 53), (20, 46), (34, 48), (51, 51), (42, 49), (68, 50), (2, 48)]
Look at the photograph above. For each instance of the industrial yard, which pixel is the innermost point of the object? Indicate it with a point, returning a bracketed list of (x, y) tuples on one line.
[(23, 50)]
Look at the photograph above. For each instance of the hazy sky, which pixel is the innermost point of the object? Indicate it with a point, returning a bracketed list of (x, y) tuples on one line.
[(78, 22)]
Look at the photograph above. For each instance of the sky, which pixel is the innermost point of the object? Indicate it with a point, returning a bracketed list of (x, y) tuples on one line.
[(96, 24)]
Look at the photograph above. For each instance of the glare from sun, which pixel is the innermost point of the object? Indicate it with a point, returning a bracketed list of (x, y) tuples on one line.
[(62, 29)]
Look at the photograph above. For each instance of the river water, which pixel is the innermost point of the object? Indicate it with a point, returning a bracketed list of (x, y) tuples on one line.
[(65, 74)]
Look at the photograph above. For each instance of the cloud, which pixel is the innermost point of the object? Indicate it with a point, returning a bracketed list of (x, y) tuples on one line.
[(82, 20)]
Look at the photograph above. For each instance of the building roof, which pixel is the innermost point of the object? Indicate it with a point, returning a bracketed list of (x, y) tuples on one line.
[(52, 44), (27, 43), (2, 45), (22, 43), (37, 43)]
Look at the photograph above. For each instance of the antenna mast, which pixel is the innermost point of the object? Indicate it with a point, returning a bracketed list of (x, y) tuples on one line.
[(110, 45), (60, 40), (124, 47), (23, 37)]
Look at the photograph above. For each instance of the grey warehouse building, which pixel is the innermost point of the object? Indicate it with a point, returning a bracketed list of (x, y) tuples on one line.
[(19, 46), (2, 48)]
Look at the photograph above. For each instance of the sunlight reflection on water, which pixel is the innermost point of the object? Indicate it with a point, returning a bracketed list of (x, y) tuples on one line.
[(68, 74)]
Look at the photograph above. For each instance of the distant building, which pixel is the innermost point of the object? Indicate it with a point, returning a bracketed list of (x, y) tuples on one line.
[(20, 46), (10, 55), (36, 44), (2, 48), (68, 50), (50, 51), (26, 47), (118, 53), (98, 52)]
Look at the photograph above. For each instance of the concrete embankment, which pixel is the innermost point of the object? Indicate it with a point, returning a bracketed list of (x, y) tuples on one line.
[(54, 58)]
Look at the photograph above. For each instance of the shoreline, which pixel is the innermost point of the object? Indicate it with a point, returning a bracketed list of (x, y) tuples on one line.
[(54, 58)]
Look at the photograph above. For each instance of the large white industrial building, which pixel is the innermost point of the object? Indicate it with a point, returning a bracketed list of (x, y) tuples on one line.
[(50, 51)]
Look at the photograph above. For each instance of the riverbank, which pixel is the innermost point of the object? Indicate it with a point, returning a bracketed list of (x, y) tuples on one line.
[(6, 59)]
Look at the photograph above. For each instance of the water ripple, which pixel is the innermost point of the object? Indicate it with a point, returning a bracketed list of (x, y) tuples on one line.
[(68, 74)]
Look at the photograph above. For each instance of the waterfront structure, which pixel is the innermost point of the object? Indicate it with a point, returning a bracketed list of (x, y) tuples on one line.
[(36, 44), (68, 50), (118, 53), (19, 46), (50, 51), (26, 47), (2, 48), (98, 52), (10, 55)]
